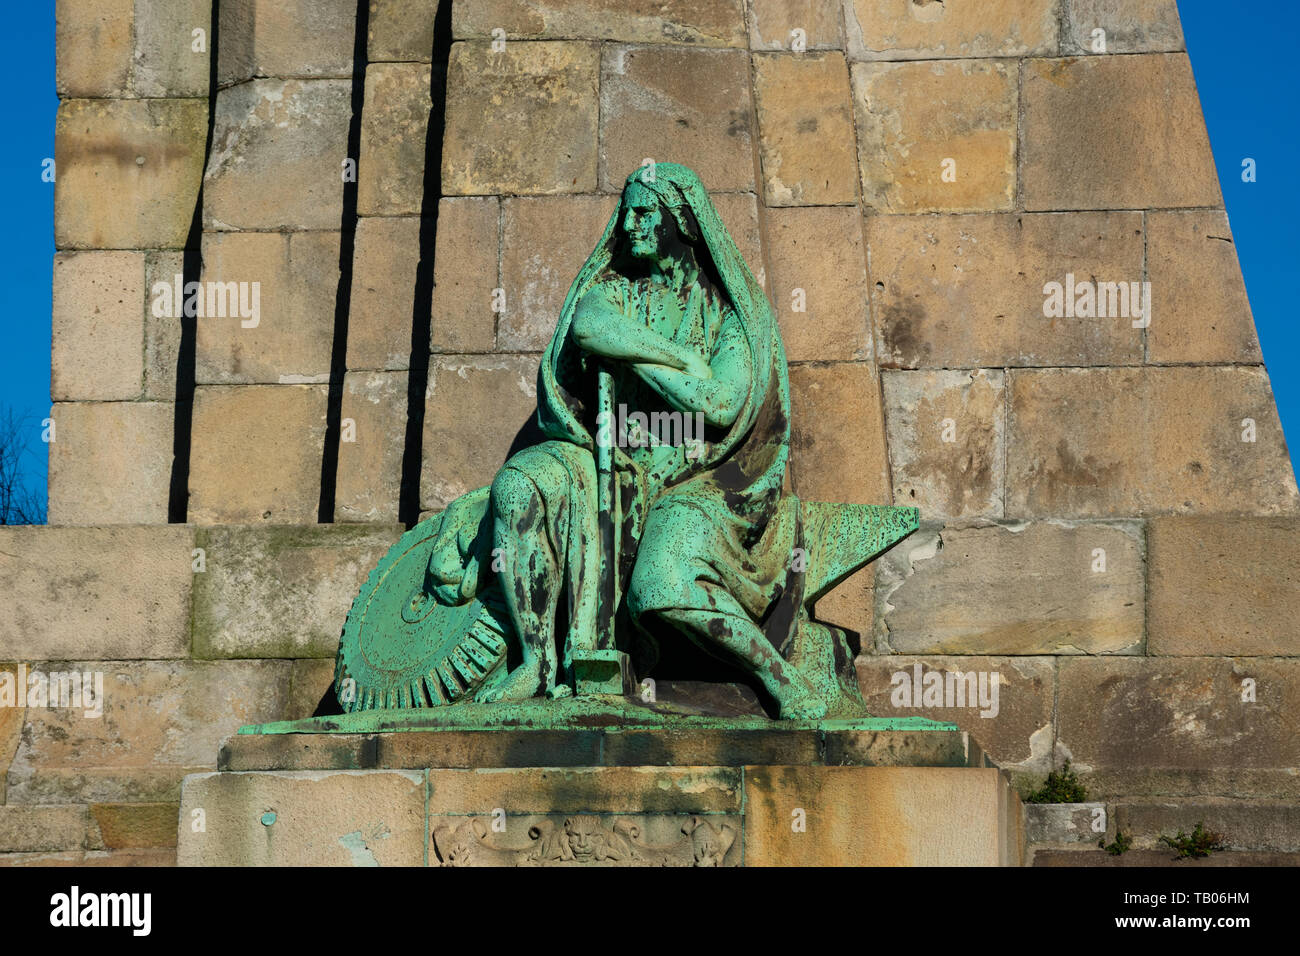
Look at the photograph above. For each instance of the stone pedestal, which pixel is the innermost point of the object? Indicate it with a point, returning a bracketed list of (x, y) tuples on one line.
[(754, 793)]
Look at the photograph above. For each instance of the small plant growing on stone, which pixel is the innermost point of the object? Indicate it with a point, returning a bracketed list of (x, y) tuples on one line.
[(1123, 843), (1201, 843), (1063, 787)]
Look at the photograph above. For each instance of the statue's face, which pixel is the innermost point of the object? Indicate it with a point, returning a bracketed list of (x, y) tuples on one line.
[(643, 222)]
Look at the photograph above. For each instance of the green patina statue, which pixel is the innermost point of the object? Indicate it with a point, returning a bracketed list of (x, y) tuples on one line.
[(653, 511)]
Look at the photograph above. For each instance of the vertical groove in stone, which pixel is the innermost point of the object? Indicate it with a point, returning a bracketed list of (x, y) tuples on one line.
[(408, 505)]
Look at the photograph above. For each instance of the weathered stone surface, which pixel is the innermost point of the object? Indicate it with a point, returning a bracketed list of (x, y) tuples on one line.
[(93, 43), (166, 61), (653, 105), (1129, 441), (296, 277), (305, 819), (932, 29), (110, 462), (1013, 589), (31, 829), (289, 340), (1121, 132), (850, 605), (79, 858), (98, 327), (257, 454), (135, 825), (963, 291), (312, 679), (1063, 823), (128, 172), (162, 720), (1244, 824), (1201, 313), (805, 123), (772, 25), (837, 434), (879, 816), (826, 281), (11, 724), (369, 476), (277, 154), (705, 22), (918, 122), (394, 134), (465, 274), (401, 30), (280, 592), (1152, 726), (739, 213), (587, 789), (162, 332), (536, 275), (87, 593), (521, 121), (946, 433), (1018, 735), (1131, 26), (285, 38), (1224, 586), (384, 265), (459, 455)]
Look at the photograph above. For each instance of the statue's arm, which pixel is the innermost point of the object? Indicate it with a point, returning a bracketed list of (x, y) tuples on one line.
[(721, 394), (601, 328)]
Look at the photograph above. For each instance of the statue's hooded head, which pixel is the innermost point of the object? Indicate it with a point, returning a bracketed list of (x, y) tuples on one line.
[(655, 217)]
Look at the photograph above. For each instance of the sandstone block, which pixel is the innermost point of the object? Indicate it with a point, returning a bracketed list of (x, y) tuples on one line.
[(586, 790), (135, 825), (464, 390), (32, 829), (1131, 26), (98, 328), (1007, 589), (276, 155), (946, 433), (312, 679), (401, 30), (805, 123), (850, 604), (772, 25), (819, 288), (162, 332), (11, 726), (653, 106), (369, 480), (394, 134), (521, 121), (310, 818), (936, 136), (161, 720), (1062, 824), (167, 62), (257, 454), (1122, 132), (465, 274), (1130, 441), (1200, 311), (1223, 586), (1015, 727), (536, 272), (385, 263), (837, 447), (121, 593), (702, 22), (1148, 726), (285, 38), (963, 291), (1244, 824), (280, 592), (932, 29), (739, 213), (289, 281), (111, 462), (92, 40), (128, 172)]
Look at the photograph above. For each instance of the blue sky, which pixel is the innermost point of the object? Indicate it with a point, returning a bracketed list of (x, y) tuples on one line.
[(1241, 58)]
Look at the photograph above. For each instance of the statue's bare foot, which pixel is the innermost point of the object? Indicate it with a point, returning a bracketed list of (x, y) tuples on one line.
[(522, 683)]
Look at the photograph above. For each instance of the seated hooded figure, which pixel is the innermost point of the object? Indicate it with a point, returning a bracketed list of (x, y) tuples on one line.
[(699, 532)]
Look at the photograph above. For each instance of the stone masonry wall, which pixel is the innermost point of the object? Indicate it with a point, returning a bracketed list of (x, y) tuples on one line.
[(1109, 507)]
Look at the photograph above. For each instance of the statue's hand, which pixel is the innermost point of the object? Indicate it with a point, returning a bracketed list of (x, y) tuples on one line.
[(457, 561)]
